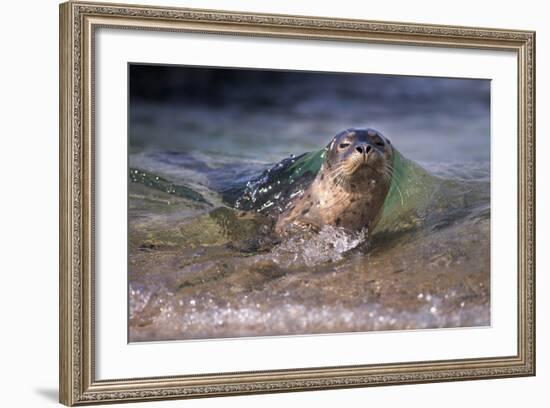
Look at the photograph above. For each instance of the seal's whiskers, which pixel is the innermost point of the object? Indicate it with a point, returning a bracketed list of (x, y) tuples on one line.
[(339, 175)]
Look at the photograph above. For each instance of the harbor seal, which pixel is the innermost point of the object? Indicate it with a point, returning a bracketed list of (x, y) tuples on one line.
[(350, 188)]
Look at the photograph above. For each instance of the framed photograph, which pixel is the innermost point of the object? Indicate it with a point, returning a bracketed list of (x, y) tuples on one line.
[(256, 203)]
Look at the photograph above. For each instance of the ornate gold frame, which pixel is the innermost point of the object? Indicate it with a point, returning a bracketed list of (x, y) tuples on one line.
[(78, 21)]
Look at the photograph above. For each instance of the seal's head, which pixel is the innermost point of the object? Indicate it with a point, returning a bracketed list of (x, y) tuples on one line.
[(357, 157)]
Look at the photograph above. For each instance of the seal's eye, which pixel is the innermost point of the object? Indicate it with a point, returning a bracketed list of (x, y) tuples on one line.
[(379, 142), (343, 145)]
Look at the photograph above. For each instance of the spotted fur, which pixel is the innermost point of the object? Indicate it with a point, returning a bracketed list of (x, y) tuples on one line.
[(350, 188)]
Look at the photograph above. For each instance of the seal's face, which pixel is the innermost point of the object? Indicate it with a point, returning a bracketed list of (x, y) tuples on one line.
[(358, 157)]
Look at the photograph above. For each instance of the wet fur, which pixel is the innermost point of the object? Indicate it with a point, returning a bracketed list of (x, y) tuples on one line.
[(350, 188)]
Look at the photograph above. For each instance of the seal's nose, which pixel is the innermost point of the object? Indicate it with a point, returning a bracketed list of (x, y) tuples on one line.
[(363, 149)]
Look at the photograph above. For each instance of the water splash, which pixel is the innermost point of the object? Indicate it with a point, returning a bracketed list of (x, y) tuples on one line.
[(329, 244), (272, 191), (139, 297), (202, 317)]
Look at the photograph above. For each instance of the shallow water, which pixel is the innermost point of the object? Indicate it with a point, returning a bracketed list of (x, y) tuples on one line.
[(192, 274), (198, 268)]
